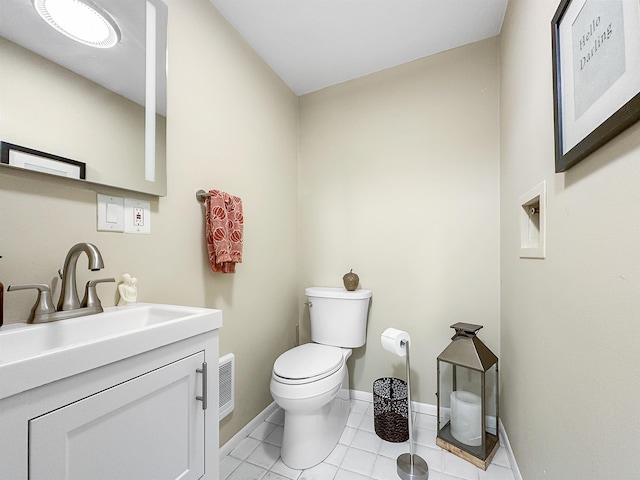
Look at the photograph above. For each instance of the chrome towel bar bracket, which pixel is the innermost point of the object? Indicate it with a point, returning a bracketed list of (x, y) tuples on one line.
[(201, 195)]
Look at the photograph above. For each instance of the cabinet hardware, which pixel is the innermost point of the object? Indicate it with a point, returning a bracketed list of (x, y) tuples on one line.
[(203, 398)]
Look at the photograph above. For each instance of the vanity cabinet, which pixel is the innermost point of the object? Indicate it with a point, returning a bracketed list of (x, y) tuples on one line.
[(151, 427), (139, 418)]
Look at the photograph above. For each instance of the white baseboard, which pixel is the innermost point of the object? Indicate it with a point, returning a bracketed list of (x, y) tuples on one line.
[(504, 441), (415, 406), (423, 408), (247, 429), (358, 395)]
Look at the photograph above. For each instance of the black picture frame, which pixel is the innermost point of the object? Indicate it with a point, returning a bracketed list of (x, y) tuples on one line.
[(608, 125), (6, 148)]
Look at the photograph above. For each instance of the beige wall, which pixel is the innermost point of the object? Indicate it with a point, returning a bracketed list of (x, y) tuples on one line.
[(232, 125), (570, 323), (399, 180)]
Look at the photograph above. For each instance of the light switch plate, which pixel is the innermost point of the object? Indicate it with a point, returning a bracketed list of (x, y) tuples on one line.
[(137, 216), (110, 213)]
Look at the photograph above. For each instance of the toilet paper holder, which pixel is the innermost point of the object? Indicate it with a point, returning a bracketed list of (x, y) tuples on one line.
[(410, 466)]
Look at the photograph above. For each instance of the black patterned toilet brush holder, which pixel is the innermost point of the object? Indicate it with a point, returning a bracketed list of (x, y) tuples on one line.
[(390, 411)]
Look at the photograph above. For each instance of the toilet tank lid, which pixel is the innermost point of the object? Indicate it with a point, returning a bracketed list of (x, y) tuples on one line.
[(337, 292)]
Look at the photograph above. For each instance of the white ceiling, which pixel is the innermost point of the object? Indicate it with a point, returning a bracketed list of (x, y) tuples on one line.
[(312, 44)]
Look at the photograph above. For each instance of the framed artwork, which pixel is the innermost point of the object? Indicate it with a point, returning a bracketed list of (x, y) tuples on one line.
[(29, 159), (596, 75)]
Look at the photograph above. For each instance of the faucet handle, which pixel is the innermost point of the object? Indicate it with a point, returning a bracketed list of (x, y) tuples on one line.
[(90, 298), (43, 305)]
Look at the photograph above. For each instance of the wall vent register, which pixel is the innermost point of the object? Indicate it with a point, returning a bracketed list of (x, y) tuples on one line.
[(227, 380)]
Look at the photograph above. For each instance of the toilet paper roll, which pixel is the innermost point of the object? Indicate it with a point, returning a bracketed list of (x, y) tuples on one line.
[(392, 339)]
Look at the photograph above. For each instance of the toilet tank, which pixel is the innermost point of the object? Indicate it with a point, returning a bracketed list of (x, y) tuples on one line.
[(338, 316)]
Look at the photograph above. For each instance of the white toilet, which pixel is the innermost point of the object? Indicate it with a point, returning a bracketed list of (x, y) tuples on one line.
[(311, 382)]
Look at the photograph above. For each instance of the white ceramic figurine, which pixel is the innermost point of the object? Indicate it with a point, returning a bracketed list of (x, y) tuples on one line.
[(128, 289)]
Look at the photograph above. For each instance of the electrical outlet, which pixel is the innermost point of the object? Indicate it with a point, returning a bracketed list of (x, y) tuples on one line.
[(137, 216)]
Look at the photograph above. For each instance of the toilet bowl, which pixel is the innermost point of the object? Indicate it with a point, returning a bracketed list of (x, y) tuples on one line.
[(311, 382), (316, 406)]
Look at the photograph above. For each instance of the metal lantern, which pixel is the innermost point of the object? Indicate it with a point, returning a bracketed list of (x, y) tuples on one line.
[(468, 397)]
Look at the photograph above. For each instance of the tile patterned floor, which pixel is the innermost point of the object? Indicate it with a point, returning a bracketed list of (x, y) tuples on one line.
[(360, 454)]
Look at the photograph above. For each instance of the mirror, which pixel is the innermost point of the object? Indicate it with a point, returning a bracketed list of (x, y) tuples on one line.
[(101, 107)]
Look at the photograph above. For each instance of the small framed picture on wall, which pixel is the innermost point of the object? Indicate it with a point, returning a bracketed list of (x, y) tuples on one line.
[(596, 75)]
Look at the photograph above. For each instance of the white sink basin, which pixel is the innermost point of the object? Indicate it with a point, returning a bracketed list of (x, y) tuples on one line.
[(33, 355)]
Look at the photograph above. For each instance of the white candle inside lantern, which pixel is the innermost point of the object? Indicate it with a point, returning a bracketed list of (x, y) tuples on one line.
[(466, 417)]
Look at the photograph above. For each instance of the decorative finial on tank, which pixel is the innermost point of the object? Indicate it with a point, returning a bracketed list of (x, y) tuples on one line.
[(350, 280)]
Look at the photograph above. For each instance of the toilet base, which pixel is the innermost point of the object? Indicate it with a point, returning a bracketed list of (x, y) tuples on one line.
[(309, 438)]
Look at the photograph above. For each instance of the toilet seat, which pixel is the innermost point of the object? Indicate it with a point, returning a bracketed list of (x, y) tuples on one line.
[(308, 363)]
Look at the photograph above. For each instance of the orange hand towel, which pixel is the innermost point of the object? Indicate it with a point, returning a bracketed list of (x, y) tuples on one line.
[(224, 231)]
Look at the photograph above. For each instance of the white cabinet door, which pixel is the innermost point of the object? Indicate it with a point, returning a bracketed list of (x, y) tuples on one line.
[(150, 427)]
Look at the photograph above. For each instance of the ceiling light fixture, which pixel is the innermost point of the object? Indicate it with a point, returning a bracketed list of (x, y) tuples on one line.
[(80, 22)]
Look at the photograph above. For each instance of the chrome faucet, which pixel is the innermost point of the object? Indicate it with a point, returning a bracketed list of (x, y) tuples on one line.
[(69, 305)]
